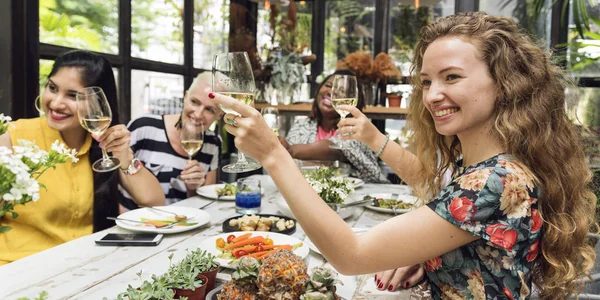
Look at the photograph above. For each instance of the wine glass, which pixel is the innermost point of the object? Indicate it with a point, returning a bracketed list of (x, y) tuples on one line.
[(343, 92), (191, 138), (271, 116), (95, 116), (232, 76)]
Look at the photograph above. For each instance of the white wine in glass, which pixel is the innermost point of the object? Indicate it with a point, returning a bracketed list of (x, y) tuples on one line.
[(232, 76), (192, 139), (271, 116), (95, 116), (343, 92)]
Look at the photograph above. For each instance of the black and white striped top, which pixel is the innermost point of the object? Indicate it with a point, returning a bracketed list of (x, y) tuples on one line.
[(151, 145)]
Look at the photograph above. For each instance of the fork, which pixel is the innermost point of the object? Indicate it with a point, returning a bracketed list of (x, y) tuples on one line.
[(366, 201), (395, 197), (165, 226), (211, 202)]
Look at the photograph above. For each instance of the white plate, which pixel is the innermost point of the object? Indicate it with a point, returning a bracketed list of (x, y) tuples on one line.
[(404, 198), (356, 182), (209, 191), (193, 215), (286, 211), (210, 244)]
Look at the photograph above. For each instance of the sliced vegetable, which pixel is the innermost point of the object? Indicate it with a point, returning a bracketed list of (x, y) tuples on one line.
[(268, 241), (245, 242), (230, 238), (241, 237)]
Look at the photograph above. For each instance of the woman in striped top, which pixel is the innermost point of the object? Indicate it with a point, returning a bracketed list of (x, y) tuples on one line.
[(155, 141)]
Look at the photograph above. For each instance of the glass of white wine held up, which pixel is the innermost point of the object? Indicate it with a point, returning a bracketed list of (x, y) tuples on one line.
[(343, 92), (271, 116), (95, 116), (233, 77), (191, 138)]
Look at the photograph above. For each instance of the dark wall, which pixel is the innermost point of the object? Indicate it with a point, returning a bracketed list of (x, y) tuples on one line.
[(5, 55)]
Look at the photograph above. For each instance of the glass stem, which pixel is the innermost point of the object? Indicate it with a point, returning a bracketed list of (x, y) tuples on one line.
[(104, 155), (241, 158)]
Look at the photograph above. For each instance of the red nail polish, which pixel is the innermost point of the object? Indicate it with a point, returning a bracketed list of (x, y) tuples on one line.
[(405, 284), (375, 277), (211, 95), (390, 288), (380, 285), (378, 281)]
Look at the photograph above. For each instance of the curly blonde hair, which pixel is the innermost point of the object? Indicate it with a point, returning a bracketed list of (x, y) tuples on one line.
[(532, 124)]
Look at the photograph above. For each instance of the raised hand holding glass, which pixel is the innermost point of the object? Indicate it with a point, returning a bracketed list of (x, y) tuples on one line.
[(343, 92), (95, 116), (232, 76)]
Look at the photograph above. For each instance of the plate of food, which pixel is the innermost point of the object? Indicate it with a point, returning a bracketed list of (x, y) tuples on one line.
[(392, 203), (229, 247), (223, 191), (147, 219), (260, 222)]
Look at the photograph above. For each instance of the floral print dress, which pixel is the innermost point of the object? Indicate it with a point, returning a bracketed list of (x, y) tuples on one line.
[(495, 200)]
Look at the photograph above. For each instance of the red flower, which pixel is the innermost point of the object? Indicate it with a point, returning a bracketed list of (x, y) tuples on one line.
[(433, 264), (533, 251), (461, 208), (536, 220), (508, 293), (502, 236)]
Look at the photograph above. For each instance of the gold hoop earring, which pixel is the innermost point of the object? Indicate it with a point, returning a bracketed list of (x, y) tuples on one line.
[(38, 105)]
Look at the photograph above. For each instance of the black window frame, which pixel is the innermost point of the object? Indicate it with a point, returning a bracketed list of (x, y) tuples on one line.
[(27, 49)]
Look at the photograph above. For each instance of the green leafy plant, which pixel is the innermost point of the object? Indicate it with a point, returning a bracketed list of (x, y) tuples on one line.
[(287, 70), (157, 289), (42, 296), (331, 188)]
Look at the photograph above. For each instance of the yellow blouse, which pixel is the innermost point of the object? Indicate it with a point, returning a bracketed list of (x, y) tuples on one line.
[(65, 209)]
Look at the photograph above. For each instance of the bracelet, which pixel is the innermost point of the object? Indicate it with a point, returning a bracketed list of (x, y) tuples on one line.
[(387, 139)]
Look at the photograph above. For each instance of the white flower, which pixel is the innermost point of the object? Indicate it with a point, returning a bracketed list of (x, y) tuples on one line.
[(31, 151), (61, 149)]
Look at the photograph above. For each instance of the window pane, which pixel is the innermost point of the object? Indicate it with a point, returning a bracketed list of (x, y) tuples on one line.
[(265, 32), (522, 12), (211, 31), (405, 22), (584, 58), (155, 93), (157, 30), (89, 25), (349, 27)]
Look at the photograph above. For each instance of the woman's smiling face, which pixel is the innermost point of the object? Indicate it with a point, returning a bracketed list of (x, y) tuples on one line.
[(324, 98), (458, 89), (59, 99)]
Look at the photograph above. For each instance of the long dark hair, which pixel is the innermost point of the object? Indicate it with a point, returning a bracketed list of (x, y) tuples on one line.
[(315, 113), (95, 70)]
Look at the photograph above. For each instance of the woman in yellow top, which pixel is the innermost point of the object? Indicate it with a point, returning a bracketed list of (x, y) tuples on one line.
[(76, 200)]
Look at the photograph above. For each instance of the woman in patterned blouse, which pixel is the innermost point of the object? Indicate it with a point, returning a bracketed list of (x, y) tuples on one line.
[(488, 105)]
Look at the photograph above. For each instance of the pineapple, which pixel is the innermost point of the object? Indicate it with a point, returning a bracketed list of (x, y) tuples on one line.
[(282, 276), (243, 285)]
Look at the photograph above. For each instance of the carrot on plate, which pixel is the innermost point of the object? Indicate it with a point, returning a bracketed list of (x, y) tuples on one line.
[(285, 247), (249, 241), (241, 237)]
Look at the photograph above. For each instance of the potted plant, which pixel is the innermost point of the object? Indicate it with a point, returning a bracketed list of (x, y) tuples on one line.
[(185, 279), (206, 265), (394, 100), (157, 289)]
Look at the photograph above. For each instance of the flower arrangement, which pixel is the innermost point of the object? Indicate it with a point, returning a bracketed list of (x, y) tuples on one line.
[(21, 167), (380, 69), (331, 188)]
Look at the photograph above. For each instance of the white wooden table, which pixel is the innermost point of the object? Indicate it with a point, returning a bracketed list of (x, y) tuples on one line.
[(82, 270)]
